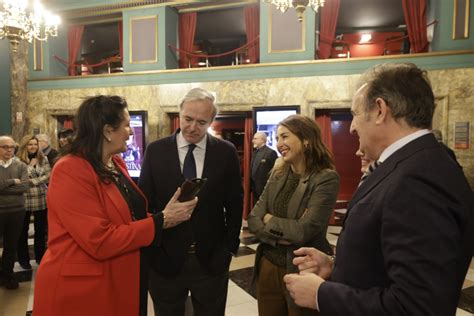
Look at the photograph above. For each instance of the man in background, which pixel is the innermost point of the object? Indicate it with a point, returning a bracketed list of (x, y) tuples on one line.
[(194, 256), (65, 137), (263, 159), (13, 183), (408, 236), (45, 146)]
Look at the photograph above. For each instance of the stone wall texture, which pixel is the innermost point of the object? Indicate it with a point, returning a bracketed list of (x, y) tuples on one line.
[(454, 91)]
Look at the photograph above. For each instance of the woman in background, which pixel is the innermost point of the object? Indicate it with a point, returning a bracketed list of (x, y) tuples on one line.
[(293, 211), (35, 199), (98, 222)]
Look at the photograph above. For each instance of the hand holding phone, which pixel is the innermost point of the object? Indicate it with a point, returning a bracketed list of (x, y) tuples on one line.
[(190, 189)]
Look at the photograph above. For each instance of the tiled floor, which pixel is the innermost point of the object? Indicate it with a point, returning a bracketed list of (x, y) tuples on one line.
[(241, 298)]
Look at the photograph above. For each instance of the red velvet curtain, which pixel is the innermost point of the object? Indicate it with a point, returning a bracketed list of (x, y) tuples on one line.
[(120, 34), (68, 124), (74, 45), (415, 18), (324, 122), (187, 29), (248, 135), (252, 28), (329, 15), (174, 123)]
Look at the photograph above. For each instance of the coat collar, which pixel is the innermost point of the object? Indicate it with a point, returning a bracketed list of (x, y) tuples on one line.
[(390, 164)]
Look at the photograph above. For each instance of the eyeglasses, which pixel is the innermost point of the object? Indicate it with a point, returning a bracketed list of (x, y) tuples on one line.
[(6, 147)]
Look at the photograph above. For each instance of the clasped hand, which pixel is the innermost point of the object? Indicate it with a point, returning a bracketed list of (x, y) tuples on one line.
[(177, 212)]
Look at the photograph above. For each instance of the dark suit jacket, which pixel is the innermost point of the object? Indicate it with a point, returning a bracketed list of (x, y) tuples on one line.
[(264, 159), (216, 221), (407, 239)]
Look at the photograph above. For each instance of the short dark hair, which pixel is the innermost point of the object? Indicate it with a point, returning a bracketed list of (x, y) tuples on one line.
[(65, 133), (317, 155), (405, 88), (91, 117)]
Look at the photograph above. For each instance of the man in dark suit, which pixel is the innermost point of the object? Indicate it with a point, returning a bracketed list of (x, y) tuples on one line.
[(406, 243), (194, 256), (263, 159)]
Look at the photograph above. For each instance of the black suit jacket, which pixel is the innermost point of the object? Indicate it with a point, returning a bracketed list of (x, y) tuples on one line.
[(407, 239), (264, 159), (216, 221)]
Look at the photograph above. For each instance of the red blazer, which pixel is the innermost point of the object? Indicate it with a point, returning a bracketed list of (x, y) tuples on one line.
[(92, 264)]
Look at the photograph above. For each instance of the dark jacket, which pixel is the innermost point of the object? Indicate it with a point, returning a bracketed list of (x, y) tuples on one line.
[(262, 163), (406, 243), (217, 218)]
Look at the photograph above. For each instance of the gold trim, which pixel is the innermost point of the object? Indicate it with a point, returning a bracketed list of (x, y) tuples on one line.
[(121, 7), (303, 35), (466, 20), (274, 64), (130, 39), (101, 21), (218, 6), (35, 65)]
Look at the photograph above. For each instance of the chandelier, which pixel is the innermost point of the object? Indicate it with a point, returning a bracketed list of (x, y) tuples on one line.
[(299, 5), (17, 22)]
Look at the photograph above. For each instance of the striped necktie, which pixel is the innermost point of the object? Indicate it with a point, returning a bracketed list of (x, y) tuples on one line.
[(369, 170)]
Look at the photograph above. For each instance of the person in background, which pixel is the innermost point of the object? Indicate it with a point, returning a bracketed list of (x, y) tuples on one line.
[(65, 137), (194, 257), (13, 183), (439, 137), (293, 211), (408, 235), (48, 151), (98, 222), (35, 199), (263, 159)]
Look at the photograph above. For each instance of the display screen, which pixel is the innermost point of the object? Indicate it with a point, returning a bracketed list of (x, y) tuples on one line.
[(134, 154), (266, 120)]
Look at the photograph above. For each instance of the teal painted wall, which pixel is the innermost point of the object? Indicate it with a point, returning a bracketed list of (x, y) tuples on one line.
[(267, 57), (249, 72), (170, 33), (5, 100), (160, 12), (53, 46), (442, 39)]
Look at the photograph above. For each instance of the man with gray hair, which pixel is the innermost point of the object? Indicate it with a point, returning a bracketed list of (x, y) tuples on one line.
[(13, 183), (263, 159), (194, 256), (408, 235), (44, 142)]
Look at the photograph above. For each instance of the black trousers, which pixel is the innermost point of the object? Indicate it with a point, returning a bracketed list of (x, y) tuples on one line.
[(40, 224), (208, 293), (10, 228)]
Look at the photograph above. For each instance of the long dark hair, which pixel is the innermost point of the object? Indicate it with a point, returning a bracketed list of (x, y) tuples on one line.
[(317, 156), (91, 117)]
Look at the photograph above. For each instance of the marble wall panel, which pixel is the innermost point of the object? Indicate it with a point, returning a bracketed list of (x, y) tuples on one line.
[(454, 91)]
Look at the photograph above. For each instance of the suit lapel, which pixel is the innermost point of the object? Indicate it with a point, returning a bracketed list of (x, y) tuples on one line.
[(297, 198), (389, 165)]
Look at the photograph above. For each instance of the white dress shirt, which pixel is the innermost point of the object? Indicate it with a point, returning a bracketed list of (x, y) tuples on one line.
[(199, 153)]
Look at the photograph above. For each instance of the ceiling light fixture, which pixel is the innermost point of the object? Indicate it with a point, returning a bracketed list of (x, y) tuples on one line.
[(18, 22), (299, 5)]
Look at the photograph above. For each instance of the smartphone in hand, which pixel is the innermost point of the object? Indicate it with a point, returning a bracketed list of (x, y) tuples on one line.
[(190, 188)]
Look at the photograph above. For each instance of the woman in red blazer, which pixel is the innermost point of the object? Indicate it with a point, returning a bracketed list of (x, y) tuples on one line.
[(98, 222)]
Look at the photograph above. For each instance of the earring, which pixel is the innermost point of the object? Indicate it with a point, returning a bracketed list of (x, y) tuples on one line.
[(108, 139)]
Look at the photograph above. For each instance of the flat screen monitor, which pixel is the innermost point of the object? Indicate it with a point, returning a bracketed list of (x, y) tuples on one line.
[(136, 144), (266, 119)]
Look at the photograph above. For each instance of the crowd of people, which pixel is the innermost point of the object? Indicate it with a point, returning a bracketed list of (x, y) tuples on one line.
[(404, 249)]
